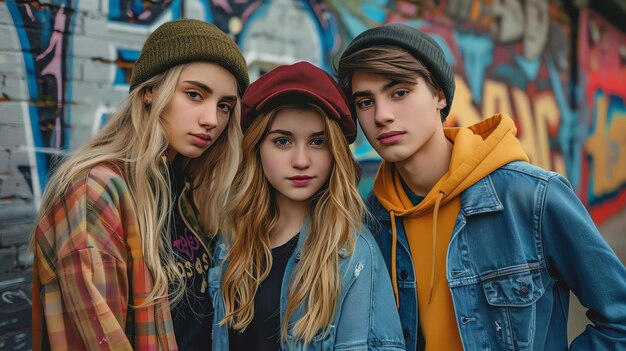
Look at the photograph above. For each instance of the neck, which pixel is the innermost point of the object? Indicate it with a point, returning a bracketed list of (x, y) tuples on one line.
[(290, 220), (423, 169)]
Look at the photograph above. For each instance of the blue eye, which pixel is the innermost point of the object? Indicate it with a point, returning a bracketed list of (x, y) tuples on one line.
[(224, 107), (194, 95), (281, 142), (400, 93), (364, 103), (318, 142)]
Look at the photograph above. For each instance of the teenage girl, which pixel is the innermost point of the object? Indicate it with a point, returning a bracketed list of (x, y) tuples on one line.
[(124, 237), (298, 269)]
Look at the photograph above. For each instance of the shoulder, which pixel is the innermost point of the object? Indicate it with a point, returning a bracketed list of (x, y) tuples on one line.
[(524, 176), (375, 213), (105, 181), (365, 247), (525, 169), (106, 174), (96, 211), (90, 185)]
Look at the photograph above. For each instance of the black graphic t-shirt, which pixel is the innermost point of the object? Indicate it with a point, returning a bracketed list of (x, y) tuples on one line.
[(193, 315), (263, 333)]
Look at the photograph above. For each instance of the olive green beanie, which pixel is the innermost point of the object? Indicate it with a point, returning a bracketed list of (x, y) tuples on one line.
[(184, 41)]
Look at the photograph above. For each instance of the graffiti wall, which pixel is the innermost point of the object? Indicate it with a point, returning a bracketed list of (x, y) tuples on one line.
[(65, 64), (602, 70)]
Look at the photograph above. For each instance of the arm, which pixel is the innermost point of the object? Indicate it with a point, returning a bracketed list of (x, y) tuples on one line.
[(587, 265), (85, 298), (369, 312)]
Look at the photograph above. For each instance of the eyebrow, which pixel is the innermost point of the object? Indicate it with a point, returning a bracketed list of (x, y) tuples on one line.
[(289, 133), (363, 93), (208, 89)]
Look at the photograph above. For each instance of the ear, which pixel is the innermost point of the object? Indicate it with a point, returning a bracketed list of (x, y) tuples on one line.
[(441, 100), (148, 94)]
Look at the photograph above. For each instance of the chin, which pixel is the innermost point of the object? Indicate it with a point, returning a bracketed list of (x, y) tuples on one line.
[(394, 156), (193, 154), (300, 197)]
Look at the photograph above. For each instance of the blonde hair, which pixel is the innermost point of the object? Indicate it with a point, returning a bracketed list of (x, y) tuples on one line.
[(135, 138), (335, 214)]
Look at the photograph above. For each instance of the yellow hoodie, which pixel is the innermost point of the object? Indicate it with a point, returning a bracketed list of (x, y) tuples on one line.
[(478, 150)]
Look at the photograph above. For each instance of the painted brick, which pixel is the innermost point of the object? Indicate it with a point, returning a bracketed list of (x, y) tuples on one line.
[(12, 135), (5, 167), (97, 71), (18, 212), (8, 259), (12, 112), (24, 256), (15, 88), (89, 47), (9, 40), (15, 233), (14, 186), (89, 6), (80, 135), (11, 65), (19, 155), (5, 15)]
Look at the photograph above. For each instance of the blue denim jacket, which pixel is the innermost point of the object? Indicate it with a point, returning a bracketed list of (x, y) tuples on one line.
[(366, 317), (521, 242)]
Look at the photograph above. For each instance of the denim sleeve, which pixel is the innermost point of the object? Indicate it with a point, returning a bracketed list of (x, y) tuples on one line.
[(369, 314), (587, 265)]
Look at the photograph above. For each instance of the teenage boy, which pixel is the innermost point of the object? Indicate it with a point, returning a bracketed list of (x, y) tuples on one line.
[(483, 248)]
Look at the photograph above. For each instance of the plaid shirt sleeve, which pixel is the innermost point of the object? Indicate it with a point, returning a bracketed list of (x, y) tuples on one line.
[(81, 271)]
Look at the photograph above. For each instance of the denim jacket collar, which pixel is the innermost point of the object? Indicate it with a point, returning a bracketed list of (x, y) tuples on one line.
[(478, 198)]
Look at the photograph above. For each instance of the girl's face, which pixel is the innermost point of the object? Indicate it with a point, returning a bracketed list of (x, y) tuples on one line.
[(295, 156), (205, 96)]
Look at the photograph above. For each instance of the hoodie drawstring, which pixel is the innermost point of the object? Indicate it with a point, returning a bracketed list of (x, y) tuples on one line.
[(394, 275), (432, 271)]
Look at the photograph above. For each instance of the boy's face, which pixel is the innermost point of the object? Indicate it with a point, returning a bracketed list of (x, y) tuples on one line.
[(398, 118)]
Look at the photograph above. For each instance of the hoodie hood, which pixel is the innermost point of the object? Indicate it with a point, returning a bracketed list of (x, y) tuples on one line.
[(477, 151)]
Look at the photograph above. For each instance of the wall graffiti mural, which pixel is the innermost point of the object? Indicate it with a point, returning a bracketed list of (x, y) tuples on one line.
[(603, 115), (509, 56)]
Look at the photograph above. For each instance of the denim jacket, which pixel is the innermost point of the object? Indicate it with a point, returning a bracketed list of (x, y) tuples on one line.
[(366, 317), (521, 242)]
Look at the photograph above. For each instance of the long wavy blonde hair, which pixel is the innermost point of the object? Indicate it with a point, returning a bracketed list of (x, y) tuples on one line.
[(135, 137), (335, 214)]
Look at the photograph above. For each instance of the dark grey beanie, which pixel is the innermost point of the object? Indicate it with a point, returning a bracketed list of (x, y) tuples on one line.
[(418, 44)]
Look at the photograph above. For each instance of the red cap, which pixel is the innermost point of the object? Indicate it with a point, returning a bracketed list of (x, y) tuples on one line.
[(302, 79)]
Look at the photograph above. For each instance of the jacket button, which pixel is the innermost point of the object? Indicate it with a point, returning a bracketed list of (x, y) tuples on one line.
[(406, 333), (404, 274), (524, 291)]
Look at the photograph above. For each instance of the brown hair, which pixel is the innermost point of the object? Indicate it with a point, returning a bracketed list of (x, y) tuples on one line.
[(390, 61)]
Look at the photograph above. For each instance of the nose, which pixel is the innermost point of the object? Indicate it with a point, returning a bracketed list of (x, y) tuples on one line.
[(383, 114), (208, 118), (301, 158)]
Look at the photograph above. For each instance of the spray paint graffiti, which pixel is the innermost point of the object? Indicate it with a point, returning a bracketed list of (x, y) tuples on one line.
[(509, 56), (602, 71), (43, 34)]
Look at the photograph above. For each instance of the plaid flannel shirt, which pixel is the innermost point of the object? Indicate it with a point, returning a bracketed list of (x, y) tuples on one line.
[(89, 271)]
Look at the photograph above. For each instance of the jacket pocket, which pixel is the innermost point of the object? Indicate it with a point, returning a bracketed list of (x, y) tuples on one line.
[(512, 298), (321, 342)]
